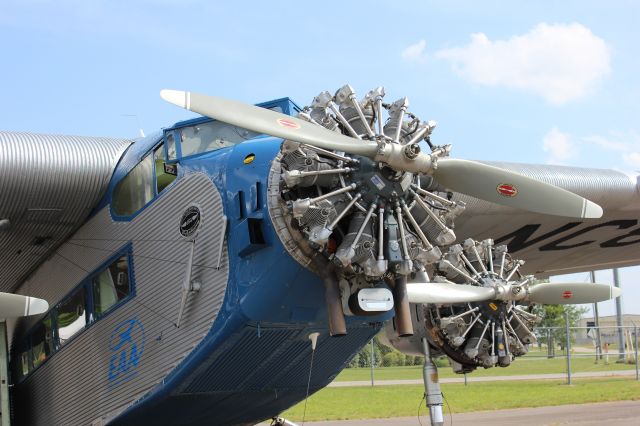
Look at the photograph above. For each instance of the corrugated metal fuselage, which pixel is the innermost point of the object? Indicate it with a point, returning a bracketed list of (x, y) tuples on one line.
[(241, 353)]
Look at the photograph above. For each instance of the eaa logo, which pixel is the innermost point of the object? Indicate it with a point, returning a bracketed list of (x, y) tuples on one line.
[(126, 345)]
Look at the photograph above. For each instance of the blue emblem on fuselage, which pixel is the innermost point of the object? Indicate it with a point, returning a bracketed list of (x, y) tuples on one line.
[(126, 345)]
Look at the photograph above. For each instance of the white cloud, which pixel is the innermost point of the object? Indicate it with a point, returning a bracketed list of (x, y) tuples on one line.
[(556, 61), (559, 147), (415, 52), (626, 143), (563, 148), (632, 158)]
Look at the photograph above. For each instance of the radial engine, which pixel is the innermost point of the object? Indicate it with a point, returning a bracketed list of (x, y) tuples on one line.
[(377, 233)]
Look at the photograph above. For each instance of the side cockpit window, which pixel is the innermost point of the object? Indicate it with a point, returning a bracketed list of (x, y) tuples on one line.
[(146, 180), (135, 190), (165, 173), (171, 147)]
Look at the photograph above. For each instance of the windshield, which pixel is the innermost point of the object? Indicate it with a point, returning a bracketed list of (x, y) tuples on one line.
[(211, 136)]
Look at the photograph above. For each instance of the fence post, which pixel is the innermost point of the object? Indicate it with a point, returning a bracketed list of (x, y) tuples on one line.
[(635, 338), (568, 347), (372, 362)]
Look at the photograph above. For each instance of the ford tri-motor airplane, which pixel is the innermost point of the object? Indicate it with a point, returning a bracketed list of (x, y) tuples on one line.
[(186, 272)]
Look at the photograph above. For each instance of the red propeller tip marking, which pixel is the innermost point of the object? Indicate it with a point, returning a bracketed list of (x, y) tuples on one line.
[(288, 123), (567, 295), (507, 190)]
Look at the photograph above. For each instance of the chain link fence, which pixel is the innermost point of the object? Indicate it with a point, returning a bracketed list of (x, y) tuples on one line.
[(559, 351), (604, 349)]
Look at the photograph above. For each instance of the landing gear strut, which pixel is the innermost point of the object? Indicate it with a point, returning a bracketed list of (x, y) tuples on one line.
[(432, 392)]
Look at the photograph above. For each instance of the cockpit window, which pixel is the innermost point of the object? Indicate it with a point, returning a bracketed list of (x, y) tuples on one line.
[(163, 176), (171, 147), (211, 136), (135, 190)]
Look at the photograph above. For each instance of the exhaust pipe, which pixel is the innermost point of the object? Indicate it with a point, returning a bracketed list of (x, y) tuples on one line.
[(337, 325), (335, 314), (401, 306)]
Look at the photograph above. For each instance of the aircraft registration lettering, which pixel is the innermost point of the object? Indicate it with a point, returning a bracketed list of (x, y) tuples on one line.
[(127, 346), (522, 237)]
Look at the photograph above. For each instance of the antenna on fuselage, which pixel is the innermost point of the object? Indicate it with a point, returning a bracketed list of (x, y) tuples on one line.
[(314, 342), (140, 131)]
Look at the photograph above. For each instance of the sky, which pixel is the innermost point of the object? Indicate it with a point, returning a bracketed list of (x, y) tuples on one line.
[(540, 82)]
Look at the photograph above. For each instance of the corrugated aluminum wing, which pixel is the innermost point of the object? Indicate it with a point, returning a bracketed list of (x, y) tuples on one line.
[(48, 186), (556, 245)]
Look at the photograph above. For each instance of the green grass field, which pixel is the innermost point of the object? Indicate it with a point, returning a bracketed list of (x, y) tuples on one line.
[(522, 365), (394, 401)]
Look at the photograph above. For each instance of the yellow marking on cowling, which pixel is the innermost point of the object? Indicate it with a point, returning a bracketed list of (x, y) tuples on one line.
[(249, 159)]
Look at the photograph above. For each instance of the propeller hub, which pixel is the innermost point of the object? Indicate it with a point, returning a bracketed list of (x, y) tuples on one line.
[(375, 180)]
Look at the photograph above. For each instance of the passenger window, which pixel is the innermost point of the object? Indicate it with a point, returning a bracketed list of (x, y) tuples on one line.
[(41, 342), (23, 368), (111, 286), (72, 317), (135, 190), (163, 179)]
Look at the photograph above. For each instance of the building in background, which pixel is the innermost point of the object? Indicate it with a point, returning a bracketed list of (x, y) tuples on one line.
[(608, 328)]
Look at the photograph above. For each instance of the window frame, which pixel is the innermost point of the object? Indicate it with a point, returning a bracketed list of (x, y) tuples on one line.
[(54, 337), (179, 131), (56, 310), (26, 343), (162, 142), (89, 280)]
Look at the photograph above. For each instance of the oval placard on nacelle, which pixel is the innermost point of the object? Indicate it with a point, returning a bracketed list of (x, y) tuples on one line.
[(190, 221)]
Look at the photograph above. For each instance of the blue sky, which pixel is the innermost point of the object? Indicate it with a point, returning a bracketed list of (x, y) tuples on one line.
[(542, 82)]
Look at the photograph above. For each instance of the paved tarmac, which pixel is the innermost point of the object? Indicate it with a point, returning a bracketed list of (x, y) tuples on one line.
[(605, 413), (487, 379)]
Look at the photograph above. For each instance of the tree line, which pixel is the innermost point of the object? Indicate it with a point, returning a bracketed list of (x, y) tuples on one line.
[(553, 316)]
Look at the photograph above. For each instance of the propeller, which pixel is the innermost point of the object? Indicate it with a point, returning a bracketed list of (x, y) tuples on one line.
[(17, 305), (447, 293), (545, 293), (268, 122), (468, 177), (571, 293), (512, 189)]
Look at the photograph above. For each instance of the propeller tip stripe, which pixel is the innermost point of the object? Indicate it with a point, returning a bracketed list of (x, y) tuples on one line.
[(591, 210), (177, 97)]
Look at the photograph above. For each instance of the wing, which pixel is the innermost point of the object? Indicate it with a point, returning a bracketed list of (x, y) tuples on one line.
[(556, 245), (48, 186)]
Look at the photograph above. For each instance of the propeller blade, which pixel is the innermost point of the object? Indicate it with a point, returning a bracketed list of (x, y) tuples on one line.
[(571, 293), (468, 177), (17, 305), (269, 122), (512, 189), (447, 293)]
